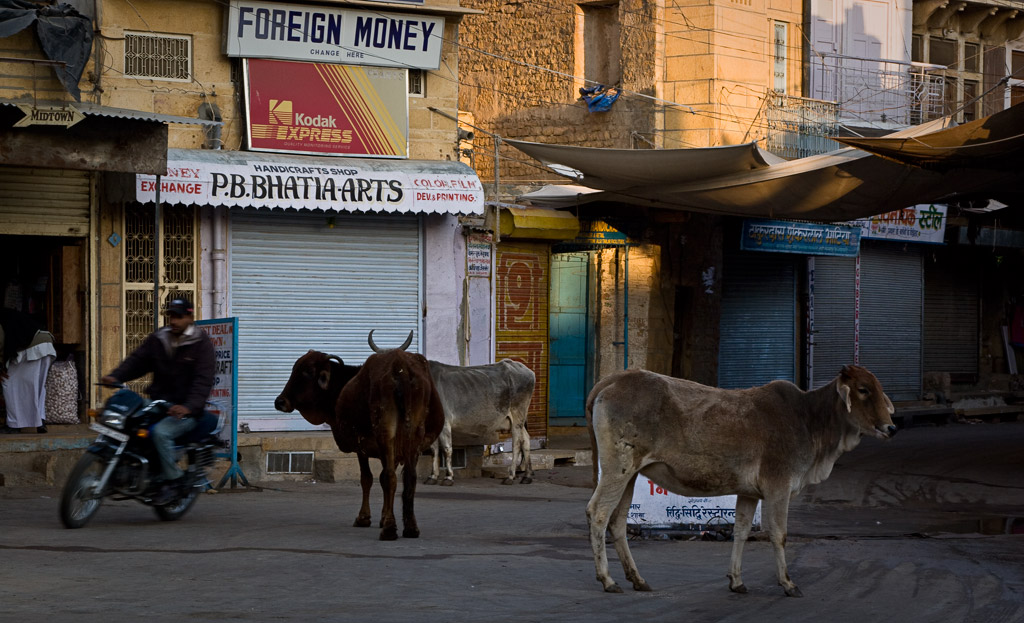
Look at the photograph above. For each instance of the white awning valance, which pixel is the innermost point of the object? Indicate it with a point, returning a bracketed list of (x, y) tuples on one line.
[(271, 180)]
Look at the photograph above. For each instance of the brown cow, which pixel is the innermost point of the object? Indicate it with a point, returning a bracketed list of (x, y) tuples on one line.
[(764, 443), (386, 409)]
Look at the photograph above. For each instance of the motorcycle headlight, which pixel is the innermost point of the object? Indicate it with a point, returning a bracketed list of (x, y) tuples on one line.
[(113, 419)]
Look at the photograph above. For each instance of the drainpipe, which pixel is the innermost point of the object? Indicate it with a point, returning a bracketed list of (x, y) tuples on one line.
[(156, 257), (217, 258)]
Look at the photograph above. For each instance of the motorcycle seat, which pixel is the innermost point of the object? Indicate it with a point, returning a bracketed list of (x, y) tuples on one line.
[(209, 425)]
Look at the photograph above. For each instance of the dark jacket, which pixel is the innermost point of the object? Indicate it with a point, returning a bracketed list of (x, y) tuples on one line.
[(18, 330), (184, 377)]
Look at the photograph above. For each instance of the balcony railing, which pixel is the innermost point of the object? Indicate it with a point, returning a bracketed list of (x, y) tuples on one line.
[(798, 127), (883, 94)]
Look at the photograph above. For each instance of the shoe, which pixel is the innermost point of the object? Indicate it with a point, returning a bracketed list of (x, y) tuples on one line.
[(11, 431), (41, 429), (165, 495)]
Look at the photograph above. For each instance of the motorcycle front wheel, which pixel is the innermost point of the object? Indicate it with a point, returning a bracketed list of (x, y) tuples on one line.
[(177, 509), (79, 500)]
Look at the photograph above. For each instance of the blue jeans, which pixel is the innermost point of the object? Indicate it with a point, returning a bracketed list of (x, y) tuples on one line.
[(163, 435)]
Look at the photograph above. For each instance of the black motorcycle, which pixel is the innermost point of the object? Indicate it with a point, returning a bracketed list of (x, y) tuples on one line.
[(123, 463)]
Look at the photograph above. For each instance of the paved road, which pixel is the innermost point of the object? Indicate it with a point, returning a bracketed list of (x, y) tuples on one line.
[(890, 537)]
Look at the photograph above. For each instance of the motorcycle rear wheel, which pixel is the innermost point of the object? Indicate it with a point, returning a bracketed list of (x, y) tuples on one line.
[(78, 502), (177, 509)]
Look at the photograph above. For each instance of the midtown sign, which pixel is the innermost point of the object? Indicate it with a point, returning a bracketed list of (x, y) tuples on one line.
[(65, 116)]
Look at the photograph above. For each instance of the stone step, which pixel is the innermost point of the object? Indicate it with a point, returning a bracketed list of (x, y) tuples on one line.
[(496, 465)]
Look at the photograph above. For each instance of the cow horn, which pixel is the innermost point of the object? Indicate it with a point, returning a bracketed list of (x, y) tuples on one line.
[(336, 358), (377, 349)]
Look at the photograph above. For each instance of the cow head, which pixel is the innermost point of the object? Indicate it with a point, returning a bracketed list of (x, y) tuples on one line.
[(867, 405), (377, 349), (310, 389)]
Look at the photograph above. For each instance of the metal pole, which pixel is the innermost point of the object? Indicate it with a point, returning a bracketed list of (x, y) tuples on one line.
[(625, 317), (156, 257), (497, 169)]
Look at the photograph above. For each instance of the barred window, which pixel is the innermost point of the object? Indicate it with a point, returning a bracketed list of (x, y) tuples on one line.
[(162, 57), (417, 82)]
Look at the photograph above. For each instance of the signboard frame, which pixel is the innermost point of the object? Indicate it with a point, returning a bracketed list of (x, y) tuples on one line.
[(355, 36), (801, 238), (920, 224), (234, 472), (371, 109)]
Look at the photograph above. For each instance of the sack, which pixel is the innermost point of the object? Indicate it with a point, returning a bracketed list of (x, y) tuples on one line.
[(62, 393)]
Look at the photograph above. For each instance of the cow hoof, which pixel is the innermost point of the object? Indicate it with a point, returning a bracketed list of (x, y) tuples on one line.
[(362, 522), (740, 588), (614, 588), (430, 481), (793, 592), (643, 587), (447, 482), (526, 480), (411, 533), (508, 481), (389, 534)]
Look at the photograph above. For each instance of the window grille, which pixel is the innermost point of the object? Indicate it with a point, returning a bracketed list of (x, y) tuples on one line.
[(162, 57), (289, 462), (178, 249), (417, 82)]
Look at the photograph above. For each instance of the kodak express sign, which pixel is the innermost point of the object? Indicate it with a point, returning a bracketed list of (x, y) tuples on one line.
[(321, 108)]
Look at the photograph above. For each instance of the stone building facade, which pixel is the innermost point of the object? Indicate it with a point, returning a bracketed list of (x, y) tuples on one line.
[(689, 74)]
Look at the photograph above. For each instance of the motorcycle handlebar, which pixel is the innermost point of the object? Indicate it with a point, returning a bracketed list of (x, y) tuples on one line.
[(113, 385)]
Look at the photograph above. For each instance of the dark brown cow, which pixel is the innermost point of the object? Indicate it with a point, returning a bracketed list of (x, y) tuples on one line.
[(386, 409), (763, 443)]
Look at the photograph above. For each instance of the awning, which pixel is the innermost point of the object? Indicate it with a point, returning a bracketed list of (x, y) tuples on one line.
[(538, 224), (85, 136), (617, 169), (272, 180), (995, 141), (838, 186), (90, 109)]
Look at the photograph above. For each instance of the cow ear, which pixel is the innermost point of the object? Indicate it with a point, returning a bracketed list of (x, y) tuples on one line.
[(844, 393), (324, 379)]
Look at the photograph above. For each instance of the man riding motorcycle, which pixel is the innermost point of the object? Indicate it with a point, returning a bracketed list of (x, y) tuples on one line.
[(181, 357)]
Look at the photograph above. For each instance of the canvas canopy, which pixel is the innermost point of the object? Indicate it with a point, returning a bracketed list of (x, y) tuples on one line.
[(842, 185)]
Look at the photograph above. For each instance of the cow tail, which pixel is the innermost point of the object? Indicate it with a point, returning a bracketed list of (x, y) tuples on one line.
[(589, 412)]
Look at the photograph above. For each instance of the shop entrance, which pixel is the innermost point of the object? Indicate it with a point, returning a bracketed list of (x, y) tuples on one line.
[(44, 277)]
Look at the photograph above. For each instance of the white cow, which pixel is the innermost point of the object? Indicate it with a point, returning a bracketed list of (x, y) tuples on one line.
[(764, 443), (479, 403)]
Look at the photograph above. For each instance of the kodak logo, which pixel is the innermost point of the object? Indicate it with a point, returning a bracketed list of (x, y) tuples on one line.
[(318, 121)]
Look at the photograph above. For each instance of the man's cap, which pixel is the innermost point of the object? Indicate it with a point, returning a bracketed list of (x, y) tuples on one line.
[(179, 307)]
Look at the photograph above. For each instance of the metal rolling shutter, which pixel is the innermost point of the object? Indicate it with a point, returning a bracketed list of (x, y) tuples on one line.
[(759, 319), (522, 319), (892, 289), (890, 317), (44, 202), (833, 308), (951, 319), (299, 284)]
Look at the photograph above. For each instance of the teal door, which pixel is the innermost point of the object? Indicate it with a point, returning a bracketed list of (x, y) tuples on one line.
[(568, 336)]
